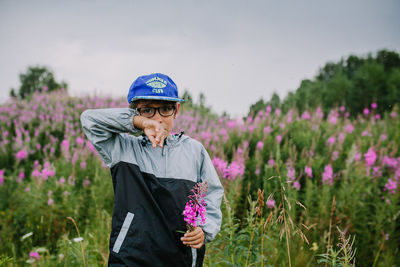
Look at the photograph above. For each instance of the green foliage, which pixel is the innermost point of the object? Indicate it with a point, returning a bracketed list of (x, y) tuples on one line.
[(36, 78), (354, 82)]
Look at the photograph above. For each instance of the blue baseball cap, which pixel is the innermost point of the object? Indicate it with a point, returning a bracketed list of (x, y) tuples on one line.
[(155, 86)]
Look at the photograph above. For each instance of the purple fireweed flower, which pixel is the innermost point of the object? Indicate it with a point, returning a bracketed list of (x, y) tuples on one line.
[(383, 137), (50, 202), (296, 185), (332, 118), (357, 156), (327, 176), (387, 236), (370, 157), (271, 162), (376, 172), (279, 139), (219, 164), (291, 174), (90, 147), (267, 130), (277, 112), (390, 186), (289, 119), (86, 182), (347, 114), (305, 115), (21, 154), (260, 145), (61, 181), (335, 155), (308, 171), (388, 161), (27, 189), (365, 133), (319, 113), (270, 203), (234, 170), (341, 137), (331, 140), (342, 108), (65, 144), (79, 141), (393, 115), (34, 255), (36, 173), (374, 105), (83, 165), (1, 180), (377, 117), (268, 109), (366, 111), (196, 206), (47, 173)]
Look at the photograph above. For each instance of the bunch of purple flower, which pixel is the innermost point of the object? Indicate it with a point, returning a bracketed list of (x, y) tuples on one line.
[(196, 206)]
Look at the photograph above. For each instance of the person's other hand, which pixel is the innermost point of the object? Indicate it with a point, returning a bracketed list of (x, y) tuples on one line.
[(194, 239)]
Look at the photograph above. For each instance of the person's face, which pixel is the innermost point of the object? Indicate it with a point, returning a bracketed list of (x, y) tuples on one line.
[(146, 107)]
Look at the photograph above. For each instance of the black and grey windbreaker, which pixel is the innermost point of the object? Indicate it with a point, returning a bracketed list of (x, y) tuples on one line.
[(151, 187)]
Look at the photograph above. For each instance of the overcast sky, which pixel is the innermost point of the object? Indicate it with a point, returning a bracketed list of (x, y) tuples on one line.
[(235, 52)]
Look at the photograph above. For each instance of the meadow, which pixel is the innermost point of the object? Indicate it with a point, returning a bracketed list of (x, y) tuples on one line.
[(309, 189)]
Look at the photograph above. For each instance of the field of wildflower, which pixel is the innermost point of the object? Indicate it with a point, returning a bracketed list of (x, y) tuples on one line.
[(308, 189)]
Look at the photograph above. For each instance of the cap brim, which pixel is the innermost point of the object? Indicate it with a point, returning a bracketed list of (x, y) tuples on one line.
[(157, 98)]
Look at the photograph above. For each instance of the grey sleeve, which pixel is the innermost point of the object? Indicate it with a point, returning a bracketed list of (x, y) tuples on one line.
[(213, 197), (105, 127)]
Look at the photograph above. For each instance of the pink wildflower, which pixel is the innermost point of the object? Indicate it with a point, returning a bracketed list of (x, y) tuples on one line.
[(366, 111), (296, 185), (268, 109), (34, 255), (1, 180), (291, 173), (331, 140), (50, 202), (36, 173), (305, 116), (196, 206), (260, 145), (61, 181), (86, 182), (335, 155), (79, 141), (393, 115), (342, 108), (277, 112), (357, 156), (271, 162), (374, 105), (21, 154), (377, 117), (65, 144), (308, 171), (83, 165), (327, 176), (390, 186), (27, 189), (270, 203), (267, 130), (370, 157), (279, 139)]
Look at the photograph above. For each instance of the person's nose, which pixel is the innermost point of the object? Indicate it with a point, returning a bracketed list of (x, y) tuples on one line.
[(157, 116)]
